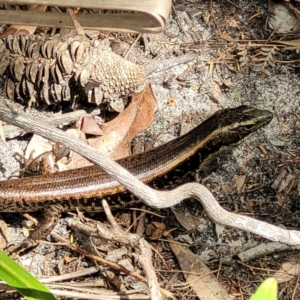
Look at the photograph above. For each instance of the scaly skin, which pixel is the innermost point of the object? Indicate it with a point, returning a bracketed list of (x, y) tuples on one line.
[(85, 188)]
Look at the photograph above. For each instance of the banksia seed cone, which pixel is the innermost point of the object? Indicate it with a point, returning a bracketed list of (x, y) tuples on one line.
[(46, 68)]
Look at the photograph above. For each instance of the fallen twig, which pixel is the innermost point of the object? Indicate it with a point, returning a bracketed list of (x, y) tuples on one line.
[(115, 233), (154, 198), (11, 131)]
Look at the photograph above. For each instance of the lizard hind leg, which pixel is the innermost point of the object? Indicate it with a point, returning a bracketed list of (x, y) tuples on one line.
[(51, 216)]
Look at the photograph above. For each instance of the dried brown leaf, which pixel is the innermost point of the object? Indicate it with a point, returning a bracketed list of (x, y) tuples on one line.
[(225, 36), (155, 230), (186, 220), (5, 236), (265, 71), (287, 272), (215, 92), (118, 133), (239, 182), (205, 284), (88, 125), (37, 145)]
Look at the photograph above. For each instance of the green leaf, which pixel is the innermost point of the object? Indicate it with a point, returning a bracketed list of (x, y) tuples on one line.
[(18, 278), (266, 291), (281, 138)]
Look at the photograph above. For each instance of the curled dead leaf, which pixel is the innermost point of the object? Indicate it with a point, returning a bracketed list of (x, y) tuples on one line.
[(118, 133), (88, 124)]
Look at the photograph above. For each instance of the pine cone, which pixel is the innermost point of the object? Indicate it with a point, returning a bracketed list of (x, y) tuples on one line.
[(55, 69)]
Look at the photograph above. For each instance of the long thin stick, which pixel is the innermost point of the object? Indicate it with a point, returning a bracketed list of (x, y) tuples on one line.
[(157, 199)]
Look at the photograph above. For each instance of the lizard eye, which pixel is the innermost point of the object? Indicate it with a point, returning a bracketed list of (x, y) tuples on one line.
[(249, 127)]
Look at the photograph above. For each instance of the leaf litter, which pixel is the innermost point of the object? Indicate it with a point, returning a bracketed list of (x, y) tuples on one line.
[(278, 91)]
